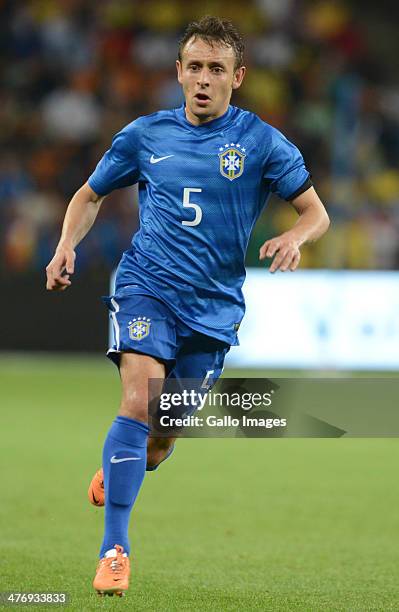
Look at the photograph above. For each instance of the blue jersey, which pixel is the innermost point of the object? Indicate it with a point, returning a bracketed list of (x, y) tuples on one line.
[(201, 189)]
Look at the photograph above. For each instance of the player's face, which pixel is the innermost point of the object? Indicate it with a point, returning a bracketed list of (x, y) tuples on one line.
[(208, 78)]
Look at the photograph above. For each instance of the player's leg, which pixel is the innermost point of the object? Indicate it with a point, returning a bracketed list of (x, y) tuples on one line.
[(140, 354), (124, 465), (125, 448)]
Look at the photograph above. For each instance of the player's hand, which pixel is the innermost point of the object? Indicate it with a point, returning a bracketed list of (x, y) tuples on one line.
[(285, 251), (60, 268)]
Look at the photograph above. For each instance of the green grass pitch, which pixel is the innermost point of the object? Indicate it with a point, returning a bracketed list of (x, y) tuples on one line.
[(225, 524)]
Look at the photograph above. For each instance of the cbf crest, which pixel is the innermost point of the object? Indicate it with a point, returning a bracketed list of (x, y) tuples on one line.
[(139, 328), (232, 158)]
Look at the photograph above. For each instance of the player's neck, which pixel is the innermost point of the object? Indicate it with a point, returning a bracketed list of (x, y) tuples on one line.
[(195, 120)]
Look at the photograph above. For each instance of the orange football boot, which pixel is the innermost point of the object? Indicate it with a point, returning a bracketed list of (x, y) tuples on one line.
[(96, 489), (113, 570)]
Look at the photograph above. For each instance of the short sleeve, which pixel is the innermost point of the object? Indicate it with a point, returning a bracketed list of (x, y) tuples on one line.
[(119, 166), (285, 169)]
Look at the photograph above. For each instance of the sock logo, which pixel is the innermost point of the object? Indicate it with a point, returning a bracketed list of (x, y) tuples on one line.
[(115, 460)]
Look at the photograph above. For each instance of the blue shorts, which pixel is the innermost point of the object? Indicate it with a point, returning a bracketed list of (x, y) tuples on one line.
[(144, 324)]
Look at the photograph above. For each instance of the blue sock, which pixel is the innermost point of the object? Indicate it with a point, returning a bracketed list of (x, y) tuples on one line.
[(124, 464)]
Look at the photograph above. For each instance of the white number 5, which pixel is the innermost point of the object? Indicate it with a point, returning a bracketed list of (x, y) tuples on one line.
[(188, 204)]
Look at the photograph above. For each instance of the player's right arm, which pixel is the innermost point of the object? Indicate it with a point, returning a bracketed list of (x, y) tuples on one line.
[(119, 167), (79, 218)]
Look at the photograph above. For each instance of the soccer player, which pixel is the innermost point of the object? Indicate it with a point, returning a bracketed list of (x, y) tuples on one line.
[(205, 171)]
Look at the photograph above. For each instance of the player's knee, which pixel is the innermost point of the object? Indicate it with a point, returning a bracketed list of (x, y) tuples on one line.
[(135, 406)]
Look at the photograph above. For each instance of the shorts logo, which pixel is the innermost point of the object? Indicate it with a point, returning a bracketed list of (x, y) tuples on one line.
[(231, 160), (139, 328)]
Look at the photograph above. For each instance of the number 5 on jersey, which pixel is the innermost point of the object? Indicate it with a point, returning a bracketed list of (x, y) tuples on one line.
[(188, 204)]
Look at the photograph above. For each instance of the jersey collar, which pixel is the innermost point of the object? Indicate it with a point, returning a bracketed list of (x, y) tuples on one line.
[(215, 124)]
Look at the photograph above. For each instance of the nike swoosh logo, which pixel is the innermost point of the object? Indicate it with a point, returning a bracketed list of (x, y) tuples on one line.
[(155, 160), (115, 460)]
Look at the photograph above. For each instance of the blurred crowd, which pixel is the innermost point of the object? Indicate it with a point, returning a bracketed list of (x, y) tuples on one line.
[(73, 72)]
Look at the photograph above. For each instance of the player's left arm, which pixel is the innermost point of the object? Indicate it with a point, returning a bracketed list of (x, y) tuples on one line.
[(313, 222)]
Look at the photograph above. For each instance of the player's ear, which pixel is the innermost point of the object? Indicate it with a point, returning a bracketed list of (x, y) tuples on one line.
[(239, 77), (179, 70)]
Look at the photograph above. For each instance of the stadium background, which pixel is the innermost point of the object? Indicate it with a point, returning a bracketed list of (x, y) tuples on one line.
[(298, 524)]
